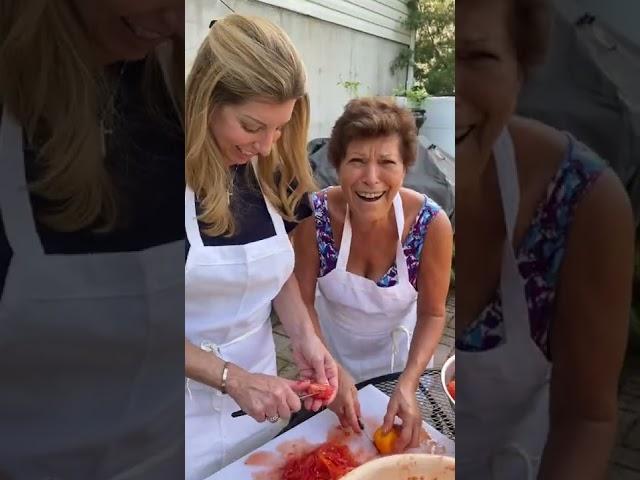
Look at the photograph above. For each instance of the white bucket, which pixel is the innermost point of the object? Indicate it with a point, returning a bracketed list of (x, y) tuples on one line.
[(440, 124)]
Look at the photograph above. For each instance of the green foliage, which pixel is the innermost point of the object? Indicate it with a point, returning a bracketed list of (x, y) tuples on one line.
[(416, 95), (351, 86), (400, 92), (433, 59)]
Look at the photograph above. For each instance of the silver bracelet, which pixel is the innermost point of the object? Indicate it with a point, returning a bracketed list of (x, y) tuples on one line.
[(225, 372)]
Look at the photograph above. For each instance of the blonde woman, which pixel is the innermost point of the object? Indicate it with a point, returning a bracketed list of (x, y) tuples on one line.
[(247, 174), (86, 339)]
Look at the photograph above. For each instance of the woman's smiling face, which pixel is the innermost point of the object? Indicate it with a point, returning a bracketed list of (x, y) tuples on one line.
[(371, 175), (249, 129)]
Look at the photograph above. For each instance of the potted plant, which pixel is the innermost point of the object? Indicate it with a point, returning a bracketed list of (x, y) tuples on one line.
[(352, 87), (416, 96)]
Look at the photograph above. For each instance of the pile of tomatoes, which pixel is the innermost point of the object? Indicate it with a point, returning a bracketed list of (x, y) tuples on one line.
[(327, 462)]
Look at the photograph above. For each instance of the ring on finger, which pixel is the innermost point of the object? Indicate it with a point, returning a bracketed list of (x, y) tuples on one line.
[(274, 418)]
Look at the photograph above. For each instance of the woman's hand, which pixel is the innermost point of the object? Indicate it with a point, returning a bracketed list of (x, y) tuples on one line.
[(404, 405), (346, 405), (315, 364), (264, 396)]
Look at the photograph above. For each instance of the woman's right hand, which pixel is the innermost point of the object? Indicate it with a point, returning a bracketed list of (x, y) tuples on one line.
[(264, 396), (346, 405)]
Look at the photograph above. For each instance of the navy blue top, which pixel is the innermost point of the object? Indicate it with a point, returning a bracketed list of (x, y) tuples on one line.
[(251, 217), (145, 154)]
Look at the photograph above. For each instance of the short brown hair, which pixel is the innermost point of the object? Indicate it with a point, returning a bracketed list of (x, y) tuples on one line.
[(371, 118), (530, 26)]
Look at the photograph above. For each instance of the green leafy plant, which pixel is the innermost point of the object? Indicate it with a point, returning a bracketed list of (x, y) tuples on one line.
[(433, 58), (351, 86), (399, 92), (416, 95)]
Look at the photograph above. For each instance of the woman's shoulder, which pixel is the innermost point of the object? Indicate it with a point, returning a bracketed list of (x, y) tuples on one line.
[(334, 202), (539, 148), (417, 204), (557, 167), (544, 151)]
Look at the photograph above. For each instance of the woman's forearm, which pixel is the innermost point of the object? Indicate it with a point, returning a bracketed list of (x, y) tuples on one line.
[(578, 448), (201, 366), (426, 337), (292, 311), (313, 315)]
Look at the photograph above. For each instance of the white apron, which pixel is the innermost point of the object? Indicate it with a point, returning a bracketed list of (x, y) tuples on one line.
[(503, 394), (228, 294), (98, 337), (368, 328)]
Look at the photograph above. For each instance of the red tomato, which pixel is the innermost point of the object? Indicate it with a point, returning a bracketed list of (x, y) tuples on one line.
[(451, 386), (321, 392), (327, 462)]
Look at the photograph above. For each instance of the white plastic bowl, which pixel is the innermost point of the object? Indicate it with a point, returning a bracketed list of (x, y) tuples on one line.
[(447, 373), (405, 467)]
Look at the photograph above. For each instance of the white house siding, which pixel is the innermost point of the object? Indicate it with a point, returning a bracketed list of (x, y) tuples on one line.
[(334, 47)]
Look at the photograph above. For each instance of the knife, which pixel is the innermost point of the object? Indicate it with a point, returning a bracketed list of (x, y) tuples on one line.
[(240, 413)]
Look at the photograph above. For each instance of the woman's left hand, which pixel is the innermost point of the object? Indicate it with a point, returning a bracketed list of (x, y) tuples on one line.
[(404, 405), (316, 364)]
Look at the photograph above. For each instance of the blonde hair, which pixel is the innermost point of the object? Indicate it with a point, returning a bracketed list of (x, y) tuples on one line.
[(242, 59), (51, 82)]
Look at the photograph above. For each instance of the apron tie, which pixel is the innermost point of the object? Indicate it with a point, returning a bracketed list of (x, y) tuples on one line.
[(211, 347), (208, 346), (399, 330)]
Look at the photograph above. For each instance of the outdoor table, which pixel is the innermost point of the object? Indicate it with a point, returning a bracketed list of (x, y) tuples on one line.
[(433, 401)]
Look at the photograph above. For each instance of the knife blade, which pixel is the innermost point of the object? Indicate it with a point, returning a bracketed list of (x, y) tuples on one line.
[(240, 413)]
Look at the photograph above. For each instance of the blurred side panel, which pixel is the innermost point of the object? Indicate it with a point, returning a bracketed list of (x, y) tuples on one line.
[(91, 239)]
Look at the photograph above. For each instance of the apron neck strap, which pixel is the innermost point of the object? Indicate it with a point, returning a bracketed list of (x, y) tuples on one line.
[(191, 219), (506, 168), (514, 303), (401, 260), (347, 233), (345, 243), (15, 204)]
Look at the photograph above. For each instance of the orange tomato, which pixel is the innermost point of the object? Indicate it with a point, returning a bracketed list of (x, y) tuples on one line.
[(385, 443)]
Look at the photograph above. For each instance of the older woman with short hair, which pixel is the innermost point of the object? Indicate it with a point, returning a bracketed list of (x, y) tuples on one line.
[(374, 262)]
